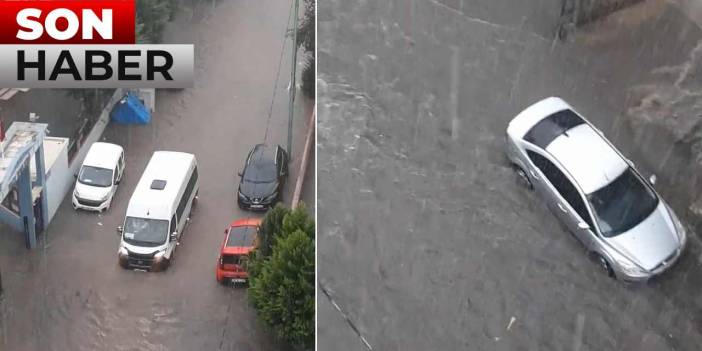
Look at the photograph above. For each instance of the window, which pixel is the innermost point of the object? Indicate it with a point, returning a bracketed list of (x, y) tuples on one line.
[(549, 128), (188, 192), (174, 220), (562, 184)]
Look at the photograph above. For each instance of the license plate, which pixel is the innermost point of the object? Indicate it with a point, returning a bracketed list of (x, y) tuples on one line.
[(238, 280), (256, 206)]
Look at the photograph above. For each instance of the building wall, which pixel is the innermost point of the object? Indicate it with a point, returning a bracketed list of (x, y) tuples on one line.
[(59, 180)]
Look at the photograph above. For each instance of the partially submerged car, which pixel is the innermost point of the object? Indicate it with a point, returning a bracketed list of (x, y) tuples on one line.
[(158, 211), (240, 239), (261, 181), (98, 177), (595, 191)]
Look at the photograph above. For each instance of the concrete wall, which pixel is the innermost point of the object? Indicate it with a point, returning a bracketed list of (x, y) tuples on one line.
[(59, 179)]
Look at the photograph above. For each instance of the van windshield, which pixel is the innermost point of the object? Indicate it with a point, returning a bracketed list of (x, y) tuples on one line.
[(145, 232), (95, 176)]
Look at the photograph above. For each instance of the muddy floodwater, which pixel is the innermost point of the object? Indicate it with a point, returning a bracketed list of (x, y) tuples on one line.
[(70, 294), (427, 242)]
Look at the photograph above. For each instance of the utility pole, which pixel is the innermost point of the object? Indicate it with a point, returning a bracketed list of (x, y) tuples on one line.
[(291, 107)]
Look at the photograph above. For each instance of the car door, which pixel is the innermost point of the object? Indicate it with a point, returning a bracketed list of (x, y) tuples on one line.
[(120, 166), (280, 163), (562, 197), (172, 228)]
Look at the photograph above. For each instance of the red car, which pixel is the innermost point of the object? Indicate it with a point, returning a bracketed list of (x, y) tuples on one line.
[(240, 239)]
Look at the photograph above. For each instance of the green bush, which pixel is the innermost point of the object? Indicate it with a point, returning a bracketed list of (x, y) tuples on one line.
[(271, 226), (281, 275), (283, 293)]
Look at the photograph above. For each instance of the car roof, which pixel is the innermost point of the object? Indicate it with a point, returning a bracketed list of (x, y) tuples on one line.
[(103, 155), (242, 236), (173, 167), (587, 157)]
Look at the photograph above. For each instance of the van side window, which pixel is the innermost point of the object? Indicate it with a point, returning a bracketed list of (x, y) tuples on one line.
[(562, 184), (187, 194), (173, 225)]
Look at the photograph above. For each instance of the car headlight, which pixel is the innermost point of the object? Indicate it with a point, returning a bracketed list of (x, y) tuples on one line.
[(271, 196), (159, 254), (122, 251), (75, 192), (241, 196), (679, 227), (630, 268)]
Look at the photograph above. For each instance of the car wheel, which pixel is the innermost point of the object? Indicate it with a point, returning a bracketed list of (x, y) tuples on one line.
[(523, 178), (604, 264)]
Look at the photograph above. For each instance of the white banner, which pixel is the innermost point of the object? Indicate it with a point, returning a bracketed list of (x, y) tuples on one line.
[(96, 66)]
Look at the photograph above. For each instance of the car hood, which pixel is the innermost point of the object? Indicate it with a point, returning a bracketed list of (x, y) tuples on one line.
[(651, 242), (257, 190), (143, 250), (89, 192)]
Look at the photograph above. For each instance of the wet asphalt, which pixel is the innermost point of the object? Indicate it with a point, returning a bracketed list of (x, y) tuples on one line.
[(70, 294), (426, 239)]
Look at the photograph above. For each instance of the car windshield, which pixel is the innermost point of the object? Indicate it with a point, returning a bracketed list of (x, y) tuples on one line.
[(260, 172), (622, 204), (145, 232), (95, 176)]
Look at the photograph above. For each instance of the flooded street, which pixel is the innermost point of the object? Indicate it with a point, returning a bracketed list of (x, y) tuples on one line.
[(427, 241), (70, 293)]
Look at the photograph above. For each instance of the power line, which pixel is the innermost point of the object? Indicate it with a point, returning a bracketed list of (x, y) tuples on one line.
[(277, 77)]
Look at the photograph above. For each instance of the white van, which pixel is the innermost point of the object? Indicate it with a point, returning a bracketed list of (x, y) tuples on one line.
[(158, 211), (98, 178)]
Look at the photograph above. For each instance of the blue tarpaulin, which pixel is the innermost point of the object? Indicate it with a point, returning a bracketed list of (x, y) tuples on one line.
[(130, 110)]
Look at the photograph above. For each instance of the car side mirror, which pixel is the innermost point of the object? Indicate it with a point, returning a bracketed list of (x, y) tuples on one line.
[(653, 179), (240, 174), (173, 236), (120, 229), (225, 231), (583, 225), (75, 176)]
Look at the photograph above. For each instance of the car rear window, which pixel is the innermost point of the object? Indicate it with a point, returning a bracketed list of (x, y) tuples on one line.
[(549, 128), (231, 259), (242, 236)]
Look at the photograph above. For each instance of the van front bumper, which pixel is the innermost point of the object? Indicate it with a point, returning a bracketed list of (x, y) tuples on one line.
[(89, 205), (149, 263)]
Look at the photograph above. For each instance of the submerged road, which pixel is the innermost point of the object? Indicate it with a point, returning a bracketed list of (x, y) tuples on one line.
[(70, 294), (427, 242)]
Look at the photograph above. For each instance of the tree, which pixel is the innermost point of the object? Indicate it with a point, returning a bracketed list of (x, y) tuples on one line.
[(270, 227), (298, 219), (151, 17), (306, 38), (283, 293), (281, 274)]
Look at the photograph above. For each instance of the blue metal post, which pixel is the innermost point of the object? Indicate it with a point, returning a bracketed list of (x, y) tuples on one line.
[(24, 190), (41, 181)]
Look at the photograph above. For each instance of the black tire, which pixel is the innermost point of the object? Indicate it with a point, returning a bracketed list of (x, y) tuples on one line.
[(605, 266), (523, 177)]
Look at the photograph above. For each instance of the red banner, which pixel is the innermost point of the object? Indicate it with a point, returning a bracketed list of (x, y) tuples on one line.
[(67, 22)]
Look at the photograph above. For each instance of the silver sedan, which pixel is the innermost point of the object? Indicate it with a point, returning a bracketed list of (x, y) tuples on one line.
[(594, 190)]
